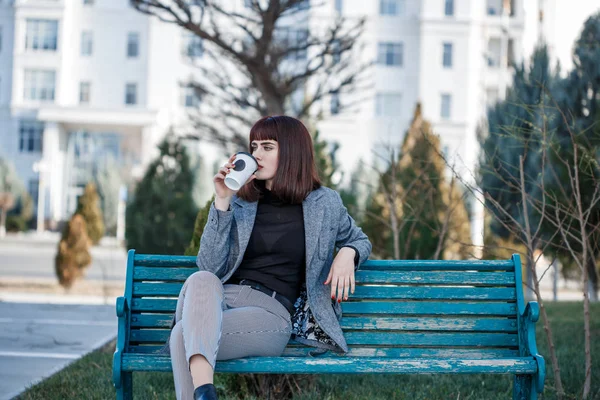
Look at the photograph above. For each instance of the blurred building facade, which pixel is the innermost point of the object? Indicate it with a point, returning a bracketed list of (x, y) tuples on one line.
[(87, 85), (452, 56), (91, 84)]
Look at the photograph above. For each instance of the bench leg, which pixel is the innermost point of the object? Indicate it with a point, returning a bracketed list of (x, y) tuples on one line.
[(524, 388), (125, 392)]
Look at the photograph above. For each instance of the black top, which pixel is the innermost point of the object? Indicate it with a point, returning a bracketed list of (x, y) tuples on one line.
[(275, 255)]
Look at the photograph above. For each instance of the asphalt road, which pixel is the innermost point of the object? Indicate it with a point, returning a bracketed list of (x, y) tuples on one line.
[(37, 261), (37, 340)]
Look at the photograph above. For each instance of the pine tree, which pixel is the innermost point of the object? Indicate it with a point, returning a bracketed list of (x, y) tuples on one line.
[(431, 214), (160, 218), (88, 206), (73, 252)]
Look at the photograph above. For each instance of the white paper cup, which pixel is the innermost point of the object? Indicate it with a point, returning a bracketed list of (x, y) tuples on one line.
[(245, 166)]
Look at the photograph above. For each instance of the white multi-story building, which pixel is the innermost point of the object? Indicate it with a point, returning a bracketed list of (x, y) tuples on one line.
[(86, 83), (452, 56)]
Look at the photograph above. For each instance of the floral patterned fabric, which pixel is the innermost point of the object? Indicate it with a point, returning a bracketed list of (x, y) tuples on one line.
[(305, 328)]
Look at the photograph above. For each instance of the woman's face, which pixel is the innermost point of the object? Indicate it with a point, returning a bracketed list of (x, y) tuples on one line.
[(266, 153)]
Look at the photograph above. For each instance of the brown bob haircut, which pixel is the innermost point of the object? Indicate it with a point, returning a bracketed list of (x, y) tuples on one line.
[(296, 174)]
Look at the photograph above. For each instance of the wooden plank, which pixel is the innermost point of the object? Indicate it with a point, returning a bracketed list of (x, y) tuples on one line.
[(378, 338), (411, 265), (372, 307), (158, 260), (366, 292), (438, 265), (409, 352), (430, 324), (429, 308), (375, 322), (432, 292), (153, 305), (176, 274), (432, 339), (296, 350), (337, 365), (179, 274), (437, 278)]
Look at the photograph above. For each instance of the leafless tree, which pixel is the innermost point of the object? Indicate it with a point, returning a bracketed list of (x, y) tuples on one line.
[(270, 57)]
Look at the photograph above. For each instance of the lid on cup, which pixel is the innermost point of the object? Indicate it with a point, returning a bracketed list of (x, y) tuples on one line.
[(248, 154)]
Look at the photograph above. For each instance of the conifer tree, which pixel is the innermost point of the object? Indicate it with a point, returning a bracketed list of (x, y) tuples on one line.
[(160, 217), (73, 254), (88, 206)]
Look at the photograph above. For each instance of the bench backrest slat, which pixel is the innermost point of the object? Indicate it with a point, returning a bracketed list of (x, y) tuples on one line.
[(400, 308)]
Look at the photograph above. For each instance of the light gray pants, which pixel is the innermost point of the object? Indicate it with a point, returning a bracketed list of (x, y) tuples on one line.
[(222, 322)]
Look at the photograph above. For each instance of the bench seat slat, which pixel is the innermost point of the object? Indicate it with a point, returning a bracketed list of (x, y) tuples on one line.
[(141, 273), (336, 365), (373, 307), (297, 350), (371, 323), (378, 338)]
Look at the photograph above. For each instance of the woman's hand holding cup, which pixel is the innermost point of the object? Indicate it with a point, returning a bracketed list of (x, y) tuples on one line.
[(224, 193)]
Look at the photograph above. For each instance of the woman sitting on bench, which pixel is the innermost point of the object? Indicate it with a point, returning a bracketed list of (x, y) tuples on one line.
[(267, 270)]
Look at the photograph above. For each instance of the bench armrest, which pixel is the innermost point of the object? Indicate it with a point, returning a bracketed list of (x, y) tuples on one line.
[(122, 339), (527, 341)]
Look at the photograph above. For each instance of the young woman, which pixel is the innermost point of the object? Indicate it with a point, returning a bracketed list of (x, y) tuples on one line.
[(266, 263)]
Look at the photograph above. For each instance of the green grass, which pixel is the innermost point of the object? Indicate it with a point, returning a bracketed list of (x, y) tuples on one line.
[(91, 377)]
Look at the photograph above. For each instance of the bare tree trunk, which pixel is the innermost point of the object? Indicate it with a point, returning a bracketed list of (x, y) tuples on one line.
[(560, 391), (592, 287), (2, 222), (586, 328)]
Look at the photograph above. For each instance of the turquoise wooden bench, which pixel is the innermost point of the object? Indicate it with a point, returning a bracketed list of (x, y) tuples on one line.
[(405, 317)]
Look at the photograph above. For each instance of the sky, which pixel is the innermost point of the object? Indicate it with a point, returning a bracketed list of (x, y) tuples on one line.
[(569, 20)]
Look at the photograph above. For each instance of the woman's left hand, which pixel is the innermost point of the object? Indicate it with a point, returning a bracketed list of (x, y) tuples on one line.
[(341, 274)]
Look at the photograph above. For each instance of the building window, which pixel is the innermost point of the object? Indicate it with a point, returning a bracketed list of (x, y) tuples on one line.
[(339, 6), (84, 92), (446, 106), (493, 53), (190, 97), (491, 96), (390, 54), (248, 3), (447, 57), (87, 43), (41, 34), (192, 45), (31, 136), (33, 187), (88, 2), (336, 54), (449, 8), (131, 93), (510, 53), (391, 7), (39, 85), (334, 106), (388, 104), (133, 44)]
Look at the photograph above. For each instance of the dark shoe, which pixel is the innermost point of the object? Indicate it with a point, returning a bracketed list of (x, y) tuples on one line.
[(205, 392)]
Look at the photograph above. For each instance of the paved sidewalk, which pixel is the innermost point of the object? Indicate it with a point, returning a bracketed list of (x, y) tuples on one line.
[(38, 340)]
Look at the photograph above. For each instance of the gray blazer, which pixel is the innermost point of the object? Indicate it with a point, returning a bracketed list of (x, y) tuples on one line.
[(326, 224)]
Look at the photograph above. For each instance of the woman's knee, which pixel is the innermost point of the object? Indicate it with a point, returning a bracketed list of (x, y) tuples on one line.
[(203, 278)]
